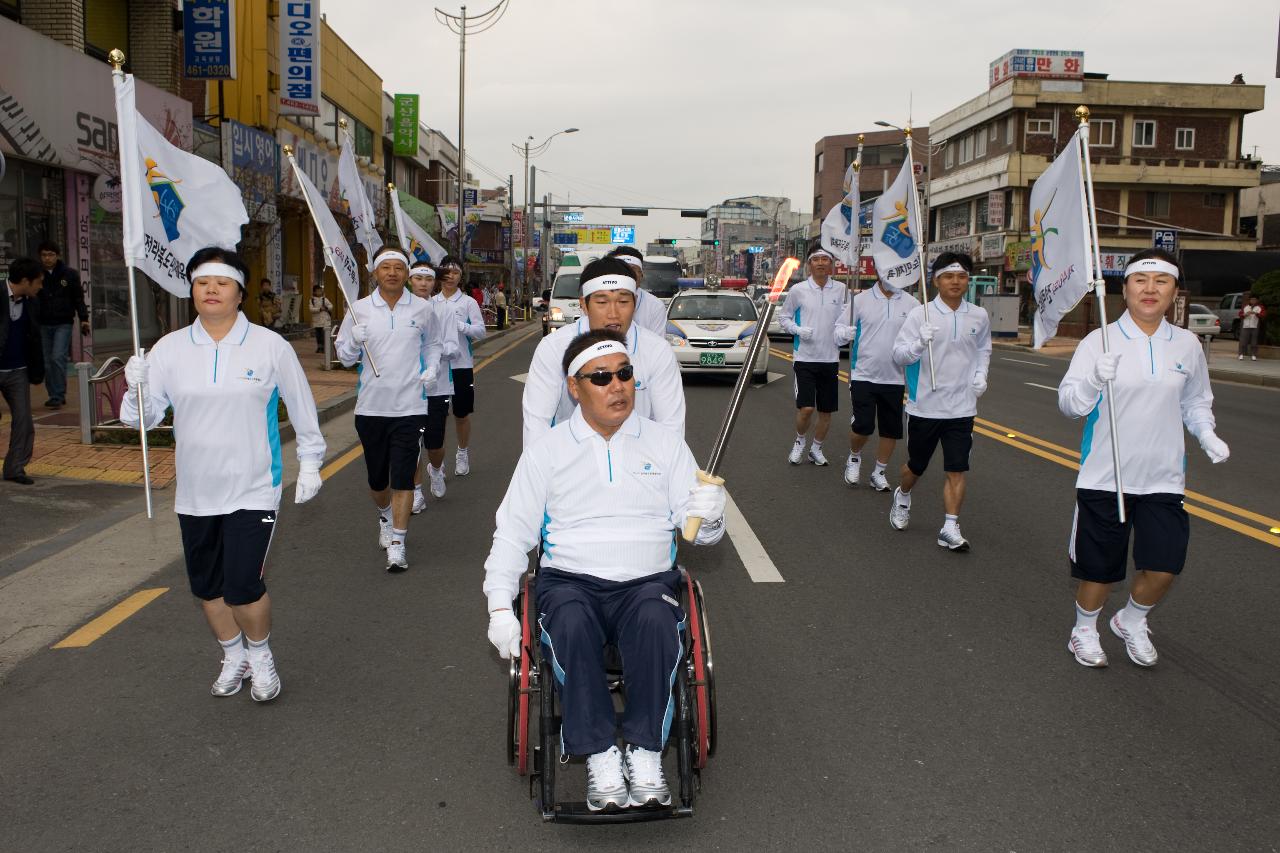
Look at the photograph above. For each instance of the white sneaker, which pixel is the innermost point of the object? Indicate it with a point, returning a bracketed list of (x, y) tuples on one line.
[(606, 781), (234, 672), (797, 452), (815, 455), (384, 533), (644, 772), (462, 462), (1253, 358), (1086, 647), (419, 500), (879, 481), (396, 560), (266, 681), (950, 538), (1137, 641), (899, 513), (437, 480), (852, 468), (1240, 357)]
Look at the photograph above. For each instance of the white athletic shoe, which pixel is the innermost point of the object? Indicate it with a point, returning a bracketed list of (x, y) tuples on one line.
[(606, 781), (396, 560), (384, 533), (899, 514), (234, 672), (852, 468), (644, 772), (419, 501), (879, 481), (950, 538), (1137, 641), (797, 452), (816, 456), (1086, 647), (462, 462), (1240, 358), (437, 480), (266, 681)]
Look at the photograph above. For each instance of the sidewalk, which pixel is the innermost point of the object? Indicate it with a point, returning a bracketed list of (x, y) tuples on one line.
[(59, 453), (1223, 365)]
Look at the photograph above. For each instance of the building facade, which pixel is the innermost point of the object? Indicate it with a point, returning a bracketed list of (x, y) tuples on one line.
[(882, 154)]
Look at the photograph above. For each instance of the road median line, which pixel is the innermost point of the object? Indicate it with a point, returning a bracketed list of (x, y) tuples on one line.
[(94, 629)]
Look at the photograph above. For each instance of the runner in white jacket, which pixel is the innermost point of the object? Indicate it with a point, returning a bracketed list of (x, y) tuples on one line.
[(224, 378), (422, 283), (651, 312), (1160, 383), (462, 399)]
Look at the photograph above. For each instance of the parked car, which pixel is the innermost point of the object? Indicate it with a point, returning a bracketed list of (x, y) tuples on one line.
[(564, 307), (1229, 313), (1201, 321), (710, 330)]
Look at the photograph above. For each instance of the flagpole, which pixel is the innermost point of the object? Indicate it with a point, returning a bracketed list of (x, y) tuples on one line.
[(855, 228), (1100, 293), (920, 247), (328, 253), (116, 58)]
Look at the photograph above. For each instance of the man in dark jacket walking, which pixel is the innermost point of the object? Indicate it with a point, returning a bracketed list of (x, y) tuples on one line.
[(61, 300), (21, 363)]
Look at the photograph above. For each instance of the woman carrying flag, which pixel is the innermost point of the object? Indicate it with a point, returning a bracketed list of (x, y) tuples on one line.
[(1160, 382), (224, 378)]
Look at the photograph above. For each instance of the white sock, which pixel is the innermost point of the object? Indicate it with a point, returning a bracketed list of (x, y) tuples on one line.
[(1087, 618), (397, 536), (816, 445), (855, 455), (800, 438), (417, 487), (902, 498), (259, 648), (233, 649), (879, 467), (1133, 613), (951, 522), (384, 513)]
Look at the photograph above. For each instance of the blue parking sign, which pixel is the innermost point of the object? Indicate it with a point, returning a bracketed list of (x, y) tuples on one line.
[(1166, 239)]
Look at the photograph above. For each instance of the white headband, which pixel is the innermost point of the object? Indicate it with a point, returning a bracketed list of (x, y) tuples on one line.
[(215, 268), (631, 261), (951, 267), (593, 352), (608, 282), (390, 255), (1154, 265), (820, 253), (422, 270)]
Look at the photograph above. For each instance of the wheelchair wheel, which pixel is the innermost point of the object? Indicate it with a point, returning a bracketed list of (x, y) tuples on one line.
[(701, 693), (709, 674), (520, 677)]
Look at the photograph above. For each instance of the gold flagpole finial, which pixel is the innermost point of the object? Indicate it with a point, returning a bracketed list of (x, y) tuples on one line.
[(1082, 114), (861, 137), (391, 187), (342, 123), (116, 58), (288, 151), (907, 131)]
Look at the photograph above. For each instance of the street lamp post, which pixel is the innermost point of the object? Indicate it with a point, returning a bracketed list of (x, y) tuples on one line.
[(528, 152)]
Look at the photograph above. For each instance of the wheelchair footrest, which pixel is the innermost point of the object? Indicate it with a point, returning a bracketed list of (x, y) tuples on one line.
[(579, 813)]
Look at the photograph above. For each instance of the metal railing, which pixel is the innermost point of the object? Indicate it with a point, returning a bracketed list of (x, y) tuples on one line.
[(100, 396)]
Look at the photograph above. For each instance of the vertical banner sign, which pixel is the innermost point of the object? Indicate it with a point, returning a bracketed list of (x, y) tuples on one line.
[(299, 57), (209, 39), (405, 126)]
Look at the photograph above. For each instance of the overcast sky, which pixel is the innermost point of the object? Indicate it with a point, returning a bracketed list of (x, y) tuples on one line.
[(686, 103)]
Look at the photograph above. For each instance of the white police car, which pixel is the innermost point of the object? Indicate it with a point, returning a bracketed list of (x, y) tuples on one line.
[(710, 331)]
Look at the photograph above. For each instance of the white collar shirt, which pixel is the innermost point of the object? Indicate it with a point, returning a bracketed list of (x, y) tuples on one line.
[(16, 303), (961, 350), (651, 313), (225, 397), (876, 321), (817, 308), (469, 323), (1162, 383), (401, 346)]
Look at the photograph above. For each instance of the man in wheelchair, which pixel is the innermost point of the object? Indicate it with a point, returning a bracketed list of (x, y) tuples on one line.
[(604, 492)]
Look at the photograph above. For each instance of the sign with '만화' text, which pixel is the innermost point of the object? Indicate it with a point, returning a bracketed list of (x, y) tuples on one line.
[(209, 40), (299, 57), (1045, 64)]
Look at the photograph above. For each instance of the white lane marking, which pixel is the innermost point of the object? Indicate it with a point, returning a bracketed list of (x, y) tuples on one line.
[(752, 554), (1021, 361), (1038, 385), (520, 377), (774, 377)]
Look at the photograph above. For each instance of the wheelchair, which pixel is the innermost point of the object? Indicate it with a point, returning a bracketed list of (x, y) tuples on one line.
[(532, 693)]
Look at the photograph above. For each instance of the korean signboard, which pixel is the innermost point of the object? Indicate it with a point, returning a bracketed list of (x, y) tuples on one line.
[(1166, 239), (209, 39), (1113, 263), (1017, 255), (321, 166), (249, 157), (995, 209), (1044, 64), (405, 126), (299, 57)]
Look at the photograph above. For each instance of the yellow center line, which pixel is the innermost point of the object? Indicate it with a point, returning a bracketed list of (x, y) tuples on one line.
[(1039, 447), (94, 629)]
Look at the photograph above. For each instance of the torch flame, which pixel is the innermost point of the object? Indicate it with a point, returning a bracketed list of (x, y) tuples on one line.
[(781, 277)]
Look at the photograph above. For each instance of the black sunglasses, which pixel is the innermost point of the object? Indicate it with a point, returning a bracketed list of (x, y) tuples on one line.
[(603, 378)]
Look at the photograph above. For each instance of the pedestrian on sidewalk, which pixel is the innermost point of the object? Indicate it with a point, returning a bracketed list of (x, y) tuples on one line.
[(811, 313), (392, 328), (219, 375), (21, 363), (1159, 382), (61, 301), (875, 379), (958, 361), (321, 315), (469, 322), (422, 282), (500, 307), (651, 312), (268, 304), (1251, 315)]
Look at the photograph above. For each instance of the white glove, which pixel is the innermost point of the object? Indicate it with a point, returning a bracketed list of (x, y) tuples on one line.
[(309, 481), (805, 333), (428, 376), (706, 501), (844, 334), (1104, 369), (980, 383), (136, 372), (450, 350), (360, 333), (1215, 448), (462, 327), (927, 331), (504, 633)]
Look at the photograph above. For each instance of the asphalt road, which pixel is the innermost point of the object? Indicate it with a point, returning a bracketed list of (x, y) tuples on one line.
[(887, 696)]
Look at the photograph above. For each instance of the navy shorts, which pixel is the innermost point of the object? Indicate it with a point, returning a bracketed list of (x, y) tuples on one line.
[(1100, 543), (874, 404), (227, 554), (817, 384), (391, 449), (925, 434)]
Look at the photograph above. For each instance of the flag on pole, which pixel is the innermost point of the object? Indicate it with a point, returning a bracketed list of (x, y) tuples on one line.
[(422, 248), (1060, 250), (358, 205), (893, 243), (173, 202), (841, 229), (337, 251)]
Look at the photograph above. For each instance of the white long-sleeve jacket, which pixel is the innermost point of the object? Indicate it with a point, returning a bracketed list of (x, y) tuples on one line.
[(961, 349), (876, 321), (470, 325), (651, 313), (225, 398), (402, 346), (820, 309), (607, 508), (1162, 382), (659, 391)]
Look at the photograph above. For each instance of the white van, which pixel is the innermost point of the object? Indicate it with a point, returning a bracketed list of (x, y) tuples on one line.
[(563, 307)]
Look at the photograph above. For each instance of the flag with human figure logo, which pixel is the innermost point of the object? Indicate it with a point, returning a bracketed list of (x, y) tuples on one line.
[(894, 242), (841, 229), (414, 238), (1060, 250)]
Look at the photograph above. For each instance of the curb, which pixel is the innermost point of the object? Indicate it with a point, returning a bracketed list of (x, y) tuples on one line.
[(1218, 373)]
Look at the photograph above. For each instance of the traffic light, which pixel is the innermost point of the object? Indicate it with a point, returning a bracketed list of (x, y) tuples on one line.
[(666, 241), (711, 242)]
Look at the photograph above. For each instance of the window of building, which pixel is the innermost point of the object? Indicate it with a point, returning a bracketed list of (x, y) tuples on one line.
[(966, 148), (11, 9), (850, 154), (817, 162), (1185, 139), (1008, 131), (1218, 200), (1157, 204), (995, 131), (817, 205), (953, 221), (979, 144), (364, 140), (106, 27), (949, 158), (1103, 133), (1039, 126), (1144, 134)]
